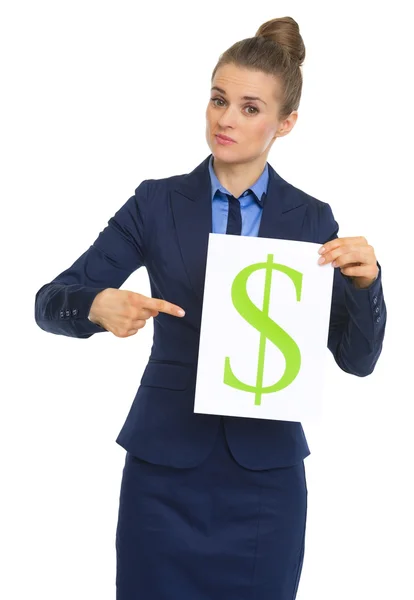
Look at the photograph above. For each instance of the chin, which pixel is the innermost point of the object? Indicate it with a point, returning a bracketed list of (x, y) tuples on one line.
[(229, 151), (226, 154)]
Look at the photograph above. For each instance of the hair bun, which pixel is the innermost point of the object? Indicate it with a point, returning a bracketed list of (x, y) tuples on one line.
[(285, 32)]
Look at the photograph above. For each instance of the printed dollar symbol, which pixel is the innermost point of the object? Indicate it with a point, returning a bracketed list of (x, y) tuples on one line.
[(260, 320)]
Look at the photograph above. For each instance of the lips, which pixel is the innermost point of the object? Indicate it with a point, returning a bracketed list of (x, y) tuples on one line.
[(225, 137)]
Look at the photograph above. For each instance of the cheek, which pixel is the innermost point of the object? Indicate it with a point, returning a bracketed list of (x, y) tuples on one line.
[(255, 127), (264, 130), (262, 133), (209, 124)]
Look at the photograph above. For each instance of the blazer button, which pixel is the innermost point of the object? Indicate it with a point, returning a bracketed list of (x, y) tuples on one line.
[(378, 319), (62, 314), (74, 312), (377, 310), (374, 300), (68, 313)]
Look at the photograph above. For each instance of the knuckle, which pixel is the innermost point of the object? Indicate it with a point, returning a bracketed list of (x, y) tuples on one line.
[(160, 306), (131, 298), (121, 334)]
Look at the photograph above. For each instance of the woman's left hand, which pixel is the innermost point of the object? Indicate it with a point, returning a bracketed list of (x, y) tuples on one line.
[(355, 258)]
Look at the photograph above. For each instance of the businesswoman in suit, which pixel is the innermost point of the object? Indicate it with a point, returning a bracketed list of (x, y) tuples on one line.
[(214, 507)]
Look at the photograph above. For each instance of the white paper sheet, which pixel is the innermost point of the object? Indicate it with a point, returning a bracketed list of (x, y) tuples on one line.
[(264, 329)]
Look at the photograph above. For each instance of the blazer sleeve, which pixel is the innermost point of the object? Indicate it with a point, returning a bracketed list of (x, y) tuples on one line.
[(62, 306), (358, 316)]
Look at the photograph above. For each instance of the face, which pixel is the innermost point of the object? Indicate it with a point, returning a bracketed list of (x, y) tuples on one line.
[(252, 124)]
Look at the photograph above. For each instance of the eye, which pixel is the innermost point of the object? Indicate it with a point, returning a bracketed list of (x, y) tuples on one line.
[(249, 106), (214, 100)]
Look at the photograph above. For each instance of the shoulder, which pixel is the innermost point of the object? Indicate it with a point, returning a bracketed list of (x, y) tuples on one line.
[(300, 196), (155, 186), (316, 208), (319, 219)]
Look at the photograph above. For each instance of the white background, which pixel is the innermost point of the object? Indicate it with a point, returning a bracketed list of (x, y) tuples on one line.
[(97, 97)]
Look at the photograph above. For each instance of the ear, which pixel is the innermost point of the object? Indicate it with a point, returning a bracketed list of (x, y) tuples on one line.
[(288, 124)]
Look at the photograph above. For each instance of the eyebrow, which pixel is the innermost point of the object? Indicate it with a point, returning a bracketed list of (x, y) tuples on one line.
[(243, 97)]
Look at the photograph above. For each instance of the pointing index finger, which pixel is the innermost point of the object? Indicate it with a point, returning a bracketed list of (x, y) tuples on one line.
[(165, 307)]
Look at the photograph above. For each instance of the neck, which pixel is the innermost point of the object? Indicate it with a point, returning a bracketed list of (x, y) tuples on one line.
[(238, 177)]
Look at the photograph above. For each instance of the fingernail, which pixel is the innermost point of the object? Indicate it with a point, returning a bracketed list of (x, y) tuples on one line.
[(180, 312), (321, 250), (321, 260)]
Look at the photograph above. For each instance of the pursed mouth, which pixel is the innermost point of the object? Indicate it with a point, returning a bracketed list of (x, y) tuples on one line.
[(225, 137)]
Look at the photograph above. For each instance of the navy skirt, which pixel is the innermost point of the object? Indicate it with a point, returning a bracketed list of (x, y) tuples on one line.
[(216, 531)]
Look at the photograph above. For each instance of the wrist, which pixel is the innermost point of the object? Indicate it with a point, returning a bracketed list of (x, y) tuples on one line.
[(362, 283), (94, 311)]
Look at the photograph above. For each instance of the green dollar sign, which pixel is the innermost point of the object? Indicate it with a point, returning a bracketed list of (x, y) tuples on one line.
[(268, 329)]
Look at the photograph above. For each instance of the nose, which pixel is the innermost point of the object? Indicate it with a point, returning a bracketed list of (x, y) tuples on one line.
[(228, 118)]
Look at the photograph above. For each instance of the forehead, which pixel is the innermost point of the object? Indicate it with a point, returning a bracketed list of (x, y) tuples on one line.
[(238, 81)]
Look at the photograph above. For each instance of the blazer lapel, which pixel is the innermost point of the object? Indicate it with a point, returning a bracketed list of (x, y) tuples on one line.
[(193, 219), (283, 211), (282, 217)]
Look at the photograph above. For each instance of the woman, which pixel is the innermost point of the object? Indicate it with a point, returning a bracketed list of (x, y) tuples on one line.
[(214, 507)]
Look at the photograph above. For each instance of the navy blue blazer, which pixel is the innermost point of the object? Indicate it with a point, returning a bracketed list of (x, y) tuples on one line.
[(165, 227)]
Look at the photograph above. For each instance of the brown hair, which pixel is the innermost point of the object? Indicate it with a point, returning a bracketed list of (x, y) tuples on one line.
[(277, 49)]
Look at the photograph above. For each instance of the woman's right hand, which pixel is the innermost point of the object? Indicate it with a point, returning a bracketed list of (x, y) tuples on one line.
[(123, 312)]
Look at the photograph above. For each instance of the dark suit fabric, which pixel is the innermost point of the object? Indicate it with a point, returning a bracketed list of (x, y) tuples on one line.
[(210, 507)]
